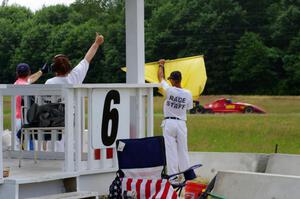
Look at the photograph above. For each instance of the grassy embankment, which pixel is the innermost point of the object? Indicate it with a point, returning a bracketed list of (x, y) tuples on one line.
[(257, 133)]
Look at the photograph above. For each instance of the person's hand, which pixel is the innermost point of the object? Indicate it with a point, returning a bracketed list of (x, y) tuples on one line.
[(161, 62), (45, 68), (99, 39)]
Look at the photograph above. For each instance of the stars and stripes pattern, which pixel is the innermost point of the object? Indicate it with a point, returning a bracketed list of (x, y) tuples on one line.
[(149, 188)]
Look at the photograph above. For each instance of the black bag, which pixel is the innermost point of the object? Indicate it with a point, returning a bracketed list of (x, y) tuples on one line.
[(32, 116), (47, 115), (51, 115)]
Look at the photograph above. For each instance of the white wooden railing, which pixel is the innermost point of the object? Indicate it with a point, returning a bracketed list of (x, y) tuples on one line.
[(101, 113)]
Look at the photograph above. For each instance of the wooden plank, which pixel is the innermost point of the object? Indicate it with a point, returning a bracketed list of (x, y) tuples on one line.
[(150, 113), (43, 128), (69, 130), (78, 128), (70, 195)]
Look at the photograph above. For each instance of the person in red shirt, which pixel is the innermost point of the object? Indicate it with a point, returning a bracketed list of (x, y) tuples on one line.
[(24, 77)]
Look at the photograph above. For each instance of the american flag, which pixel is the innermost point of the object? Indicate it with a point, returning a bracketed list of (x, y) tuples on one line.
[(149, 188)]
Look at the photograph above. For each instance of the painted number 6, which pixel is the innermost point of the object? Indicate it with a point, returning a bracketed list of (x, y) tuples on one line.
[(110, 114)]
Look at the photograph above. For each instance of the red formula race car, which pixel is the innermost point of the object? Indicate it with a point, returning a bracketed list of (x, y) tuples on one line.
[(227, 106)]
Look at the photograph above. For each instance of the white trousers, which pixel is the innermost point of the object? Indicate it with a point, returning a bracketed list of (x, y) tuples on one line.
[(175, 135)]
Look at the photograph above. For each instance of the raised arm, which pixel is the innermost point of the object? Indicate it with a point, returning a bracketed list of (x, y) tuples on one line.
[(94, 47), (160, 73), (34, 77)]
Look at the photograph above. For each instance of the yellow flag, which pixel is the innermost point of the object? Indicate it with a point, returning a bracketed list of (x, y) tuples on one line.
[(192, 70)]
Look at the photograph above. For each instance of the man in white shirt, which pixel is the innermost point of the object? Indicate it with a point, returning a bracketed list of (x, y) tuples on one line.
[(178, 101)]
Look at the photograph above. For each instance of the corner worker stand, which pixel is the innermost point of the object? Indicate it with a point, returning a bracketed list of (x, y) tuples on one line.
[(95, 116)]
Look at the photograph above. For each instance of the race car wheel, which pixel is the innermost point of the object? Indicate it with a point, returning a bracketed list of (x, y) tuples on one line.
[(193, 110), (248, 109), (201, 109), (209, 111)]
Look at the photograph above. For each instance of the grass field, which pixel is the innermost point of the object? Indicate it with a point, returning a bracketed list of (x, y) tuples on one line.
[(236, 132), (244, 132)]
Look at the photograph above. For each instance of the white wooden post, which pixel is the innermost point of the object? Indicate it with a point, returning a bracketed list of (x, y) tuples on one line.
[(135, 47), (13, 123), (90, 150), (150, 115), (135, 61), (69, 129), (78, 128), (140, 103)]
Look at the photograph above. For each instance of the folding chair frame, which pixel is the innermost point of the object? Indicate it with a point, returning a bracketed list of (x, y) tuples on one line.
[(121, 145)]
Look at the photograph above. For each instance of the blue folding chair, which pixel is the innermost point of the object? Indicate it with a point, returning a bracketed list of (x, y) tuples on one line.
[(146, 158)]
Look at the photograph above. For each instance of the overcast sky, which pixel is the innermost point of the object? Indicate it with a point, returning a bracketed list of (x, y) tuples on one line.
[(38, 4)]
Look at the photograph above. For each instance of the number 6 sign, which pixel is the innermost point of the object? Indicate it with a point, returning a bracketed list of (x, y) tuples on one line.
[(110, 116)]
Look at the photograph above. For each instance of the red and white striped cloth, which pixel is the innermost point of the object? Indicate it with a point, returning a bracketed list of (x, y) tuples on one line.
[(149, 188)]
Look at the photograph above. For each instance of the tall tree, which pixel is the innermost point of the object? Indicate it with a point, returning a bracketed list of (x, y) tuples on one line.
[(11, 20), (8, 44), (252, 70), (291, 82), (193, 27), (286, 25), (56, 15)]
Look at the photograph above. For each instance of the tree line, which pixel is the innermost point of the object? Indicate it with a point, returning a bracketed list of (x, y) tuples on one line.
[(250, 47)]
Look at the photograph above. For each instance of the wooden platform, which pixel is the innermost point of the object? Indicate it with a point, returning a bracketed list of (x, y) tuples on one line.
[(47, 177), (34, 172), (83, 164)]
